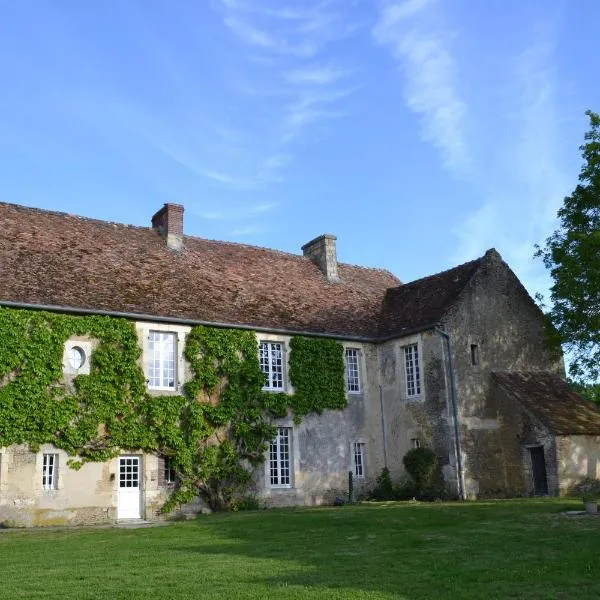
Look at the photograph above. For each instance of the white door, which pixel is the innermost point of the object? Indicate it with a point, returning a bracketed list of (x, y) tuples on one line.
[(129, 488)]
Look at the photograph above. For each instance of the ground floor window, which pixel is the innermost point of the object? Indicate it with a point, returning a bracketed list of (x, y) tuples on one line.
[(50, 471), (279, 458), (169, 470), (358, 453)]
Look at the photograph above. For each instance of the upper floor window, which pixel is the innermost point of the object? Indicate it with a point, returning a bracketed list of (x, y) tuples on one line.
[(271, 364), (162, 371), (358, 454), (352, 370), (412, 371), (280, 458), (50, 471)]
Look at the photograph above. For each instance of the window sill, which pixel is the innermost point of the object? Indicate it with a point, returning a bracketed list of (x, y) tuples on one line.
[(275, 390), (281, 487)]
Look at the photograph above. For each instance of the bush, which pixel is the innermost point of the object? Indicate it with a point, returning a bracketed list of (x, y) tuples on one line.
[(384, 489), (245, 503), (421, 465)]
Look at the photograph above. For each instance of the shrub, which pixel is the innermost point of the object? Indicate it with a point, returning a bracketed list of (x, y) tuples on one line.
[(421, 464), (245, 503), (384, 489)]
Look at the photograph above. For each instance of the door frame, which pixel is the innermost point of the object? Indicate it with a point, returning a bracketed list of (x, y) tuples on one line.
[(140, 463)]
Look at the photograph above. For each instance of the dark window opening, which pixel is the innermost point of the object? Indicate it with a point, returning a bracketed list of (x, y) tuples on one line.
[(474, 354)]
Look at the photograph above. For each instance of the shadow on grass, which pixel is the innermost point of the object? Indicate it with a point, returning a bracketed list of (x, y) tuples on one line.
[(496, 549)]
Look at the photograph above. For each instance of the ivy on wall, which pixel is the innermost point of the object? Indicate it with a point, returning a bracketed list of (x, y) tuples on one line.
[(317, 374), (214, 433)]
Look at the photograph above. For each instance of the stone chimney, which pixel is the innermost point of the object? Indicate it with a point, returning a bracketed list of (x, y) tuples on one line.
[(322, 252), (168, 221)]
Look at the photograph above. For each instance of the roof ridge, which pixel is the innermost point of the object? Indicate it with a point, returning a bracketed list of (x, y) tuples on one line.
[(428, 277), (95, 220)]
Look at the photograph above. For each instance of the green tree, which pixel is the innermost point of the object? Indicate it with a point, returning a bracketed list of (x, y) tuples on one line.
[(572, 254)]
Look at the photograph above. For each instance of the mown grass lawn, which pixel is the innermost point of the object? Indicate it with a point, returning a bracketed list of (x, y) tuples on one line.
[(502, 549)]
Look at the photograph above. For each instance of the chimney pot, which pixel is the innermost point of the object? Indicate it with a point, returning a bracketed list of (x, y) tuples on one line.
[(168, 221), (322, 251)]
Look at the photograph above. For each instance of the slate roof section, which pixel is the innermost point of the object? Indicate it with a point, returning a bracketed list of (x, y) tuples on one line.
[(549, 398), (420, 303), (60, 260)]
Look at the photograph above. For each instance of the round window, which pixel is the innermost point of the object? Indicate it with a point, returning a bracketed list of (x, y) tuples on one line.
[(76, 357)]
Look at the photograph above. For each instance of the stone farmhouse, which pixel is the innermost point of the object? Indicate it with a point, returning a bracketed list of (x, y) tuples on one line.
[(458, 361)]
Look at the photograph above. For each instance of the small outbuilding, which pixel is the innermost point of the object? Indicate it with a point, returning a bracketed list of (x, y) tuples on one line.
[(551, 435)]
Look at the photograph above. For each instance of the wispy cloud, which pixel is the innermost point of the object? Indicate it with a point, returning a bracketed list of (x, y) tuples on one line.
[(430, 76), (318, 75), (521, 199), (290, 70), (239, 213)]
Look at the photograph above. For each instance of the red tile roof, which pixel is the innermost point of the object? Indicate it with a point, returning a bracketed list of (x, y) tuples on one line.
[(58, 260), (551, 400), (423, 302)]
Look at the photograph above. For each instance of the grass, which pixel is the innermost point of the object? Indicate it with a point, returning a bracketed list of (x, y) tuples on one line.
[(501, 549)]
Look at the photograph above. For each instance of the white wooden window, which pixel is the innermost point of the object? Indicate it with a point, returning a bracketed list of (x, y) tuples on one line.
[(415, 443), (169, 470), (50, 471), (358, 453), (162, 358), (353, 370), (412, 371), (280, 458), (271, 364)]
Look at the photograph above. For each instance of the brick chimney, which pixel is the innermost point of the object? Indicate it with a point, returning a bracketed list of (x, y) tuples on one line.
[(322, 252), (168, 221)]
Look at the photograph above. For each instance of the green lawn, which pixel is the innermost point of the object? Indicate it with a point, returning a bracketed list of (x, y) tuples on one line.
[(502, 549)]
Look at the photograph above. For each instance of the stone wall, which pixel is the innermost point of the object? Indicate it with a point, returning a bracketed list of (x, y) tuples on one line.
[(494, 313), (578, 459)]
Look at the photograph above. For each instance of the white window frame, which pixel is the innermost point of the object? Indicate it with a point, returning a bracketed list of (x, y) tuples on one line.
[(50, 471), (169, 474), (358, 459), (158, 353), (280, 459), (352, 362), (272, 364), (415, 443), (412, 370)]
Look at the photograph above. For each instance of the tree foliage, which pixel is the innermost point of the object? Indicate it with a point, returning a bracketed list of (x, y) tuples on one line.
[(572, 254)]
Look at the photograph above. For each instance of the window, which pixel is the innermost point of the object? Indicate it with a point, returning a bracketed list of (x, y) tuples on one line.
[(50, 471), (415, 443), (358, 453), (413, 376), (271, 364), (352, 370), (279, 458), (474, 354), (161, 361), (169, 471)]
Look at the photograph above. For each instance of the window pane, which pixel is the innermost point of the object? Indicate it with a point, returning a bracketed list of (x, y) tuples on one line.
[(352, 370)]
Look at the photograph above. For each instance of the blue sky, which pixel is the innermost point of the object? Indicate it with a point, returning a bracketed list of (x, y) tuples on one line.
[(420, 132)]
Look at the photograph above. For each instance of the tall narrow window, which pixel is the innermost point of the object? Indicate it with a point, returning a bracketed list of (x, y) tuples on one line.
[(358, 453), (50, 471), (169, 470), (271, 363), (279, 458), (413, 375), (352, 370), (162, 370), (474, 354), (415, 443)]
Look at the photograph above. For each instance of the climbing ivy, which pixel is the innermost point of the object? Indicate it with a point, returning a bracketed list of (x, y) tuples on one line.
[(317, 374), (214, 433)]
